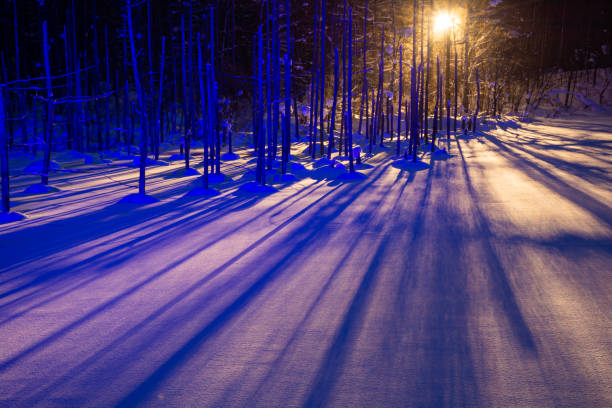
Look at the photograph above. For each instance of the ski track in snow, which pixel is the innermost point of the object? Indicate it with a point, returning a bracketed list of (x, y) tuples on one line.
[(481, 280)]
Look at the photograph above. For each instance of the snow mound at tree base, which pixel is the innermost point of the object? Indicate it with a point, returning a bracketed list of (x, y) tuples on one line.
[(184, 173), (6, 218), (137, 198), (229, 156), (71, 155), (323, 161), (410, 165), (285, 178), (177, 157), (327, 172), (297, 167), (363, 166), (39, 188), (255, 188), (337, 165), (124, 155), (202, 192), (440, 154), (217, 178), (160, 163)]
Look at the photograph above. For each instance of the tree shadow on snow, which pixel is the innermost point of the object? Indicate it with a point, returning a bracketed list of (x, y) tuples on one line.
[(445, 373), (309, 233), (545, 177)]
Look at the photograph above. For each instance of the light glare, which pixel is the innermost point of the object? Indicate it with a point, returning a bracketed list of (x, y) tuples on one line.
[(443, 21)]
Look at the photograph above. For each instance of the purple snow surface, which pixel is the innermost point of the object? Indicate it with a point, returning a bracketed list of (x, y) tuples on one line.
[(481, 280)]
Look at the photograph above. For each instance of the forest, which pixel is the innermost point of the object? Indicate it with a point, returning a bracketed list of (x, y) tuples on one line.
[(141, 78), (305, 203)]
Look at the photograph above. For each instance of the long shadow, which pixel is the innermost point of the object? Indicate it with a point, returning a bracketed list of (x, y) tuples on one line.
[(546, 178), (218, 206), (599, 145), (155, 184), (436, 316), (308, 233), (115, 255), (345, 336), (591, 123), (418, 224), (299, 327), (501, 286), (63, 331), (67, 192), (336, 355), (567, 144), (72, 232), (446, 362), (134, 288), (195, 219), (590, 173), (171, 326)]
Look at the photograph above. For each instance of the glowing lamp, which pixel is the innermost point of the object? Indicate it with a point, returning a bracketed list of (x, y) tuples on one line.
[(443, 21)]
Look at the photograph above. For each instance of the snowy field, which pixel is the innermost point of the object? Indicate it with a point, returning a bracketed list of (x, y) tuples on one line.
[(480, 280)]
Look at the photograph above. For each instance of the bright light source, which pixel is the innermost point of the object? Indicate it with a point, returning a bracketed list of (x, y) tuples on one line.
[(444, 21)]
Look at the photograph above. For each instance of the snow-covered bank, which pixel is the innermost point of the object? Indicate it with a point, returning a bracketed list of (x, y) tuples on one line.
[(478, 280)]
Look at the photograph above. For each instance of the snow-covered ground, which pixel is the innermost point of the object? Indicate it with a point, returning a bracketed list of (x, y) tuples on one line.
[(479, 280)]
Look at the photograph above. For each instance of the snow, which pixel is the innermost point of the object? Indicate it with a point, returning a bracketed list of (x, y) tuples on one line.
[(410, 165), (217, 178), (5, 217), (229, 156), (440, 154), (287, 178), (327, 172), (297, 167), (589, 102), (352, 176), (36, 167), (150, 162), (183, 172), (138, 199), (202, 192), (40, 188), (480, 280), (177, 157), (252, 187)]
